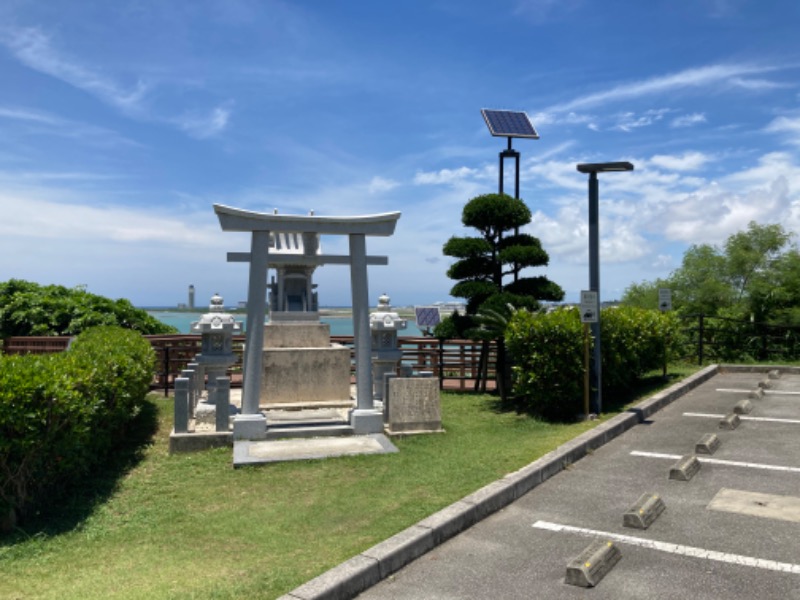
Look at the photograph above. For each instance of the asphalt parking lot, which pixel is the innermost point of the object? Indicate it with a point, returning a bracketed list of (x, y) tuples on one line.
[(732, 531)]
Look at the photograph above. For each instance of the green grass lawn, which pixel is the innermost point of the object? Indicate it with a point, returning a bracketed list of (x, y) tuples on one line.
[(190, 526)]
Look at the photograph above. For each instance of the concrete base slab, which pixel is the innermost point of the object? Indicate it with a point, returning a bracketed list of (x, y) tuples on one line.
[(200, 440), (246, 452)]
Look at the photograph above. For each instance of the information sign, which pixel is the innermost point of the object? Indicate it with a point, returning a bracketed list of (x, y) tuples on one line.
[(589, 307), (664, 299)]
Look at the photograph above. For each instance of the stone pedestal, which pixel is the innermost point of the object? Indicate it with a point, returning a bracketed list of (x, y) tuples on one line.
[(301, 366), (366, 421), (250, 427)]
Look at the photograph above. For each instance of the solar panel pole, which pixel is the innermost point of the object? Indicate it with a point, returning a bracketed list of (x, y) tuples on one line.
[(509, 124), (511, 153)]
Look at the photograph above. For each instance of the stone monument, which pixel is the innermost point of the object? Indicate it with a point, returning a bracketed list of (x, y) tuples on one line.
[(412, 405)]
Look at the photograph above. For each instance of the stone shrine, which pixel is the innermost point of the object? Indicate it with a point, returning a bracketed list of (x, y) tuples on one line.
[(300, 365), (297, 293)]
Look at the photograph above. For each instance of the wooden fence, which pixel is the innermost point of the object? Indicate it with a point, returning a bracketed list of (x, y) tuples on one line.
[(458, 364)]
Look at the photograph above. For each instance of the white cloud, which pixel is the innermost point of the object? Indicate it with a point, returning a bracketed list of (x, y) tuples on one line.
[(700, 77), (690, 161), (205, 126), (44, 123), (565, 236), (662, 261), (38, 220), (786, 125), (552, 117), (758, 85), (378, 185), (628, 121), (21, 114), (768, 169), (643, 211), (444, 176), (688, 120), (32, 48)]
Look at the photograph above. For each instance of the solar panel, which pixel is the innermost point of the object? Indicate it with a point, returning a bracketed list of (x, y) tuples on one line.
[(509, 123), (427, 316)]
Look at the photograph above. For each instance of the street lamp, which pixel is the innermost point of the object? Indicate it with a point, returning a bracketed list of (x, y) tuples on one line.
[(596, 375)]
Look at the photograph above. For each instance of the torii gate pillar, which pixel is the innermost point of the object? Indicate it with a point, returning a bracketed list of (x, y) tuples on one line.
[(252, 424)]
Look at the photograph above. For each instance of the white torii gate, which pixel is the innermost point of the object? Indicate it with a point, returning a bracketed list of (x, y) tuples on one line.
[(251, 424)]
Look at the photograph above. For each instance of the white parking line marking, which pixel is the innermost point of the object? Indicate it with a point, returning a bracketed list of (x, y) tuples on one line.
[(773, 392), (743, 418), (719, 461), (680, 549)]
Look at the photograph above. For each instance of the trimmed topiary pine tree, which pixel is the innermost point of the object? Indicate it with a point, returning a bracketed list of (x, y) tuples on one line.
[(489, 268)]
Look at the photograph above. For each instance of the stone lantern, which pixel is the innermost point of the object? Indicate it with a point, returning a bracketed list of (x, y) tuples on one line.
[(384, 325), (216, 328)]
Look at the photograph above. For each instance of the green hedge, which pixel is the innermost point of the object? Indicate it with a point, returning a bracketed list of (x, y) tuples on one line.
[(633, 343), (60, 414), (548, 355)]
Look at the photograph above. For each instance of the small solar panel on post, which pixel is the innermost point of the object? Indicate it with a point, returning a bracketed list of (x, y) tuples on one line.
[(510, 124)]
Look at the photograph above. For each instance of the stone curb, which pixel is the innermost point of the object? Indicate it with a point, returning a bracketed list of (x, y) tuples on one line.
[(361, 572)]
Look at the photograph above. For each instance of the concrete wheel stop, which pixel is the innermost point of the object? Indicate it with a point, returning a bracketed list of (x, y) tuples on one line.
[(594, 563)]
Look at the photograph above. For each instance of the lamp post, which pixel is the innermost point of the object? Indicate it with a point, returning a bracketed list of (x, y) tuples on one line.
[(595, 373)]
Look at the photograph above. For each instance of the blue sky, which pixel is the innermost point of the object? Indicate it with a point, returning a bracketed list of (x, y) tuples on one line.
[(122, 123)]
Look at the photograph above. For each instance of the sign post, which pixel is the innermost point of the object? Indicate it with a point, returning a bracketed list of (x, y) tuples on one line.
[(664, 305), (589, 314)]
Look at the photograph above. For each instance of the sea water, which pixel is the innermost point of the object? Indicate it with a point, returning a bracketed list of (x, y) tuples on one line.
[(182, 320)]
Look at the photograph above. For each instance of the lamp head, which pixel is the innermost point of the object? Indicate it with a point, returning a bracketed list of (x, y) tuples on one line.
[(609, 167)]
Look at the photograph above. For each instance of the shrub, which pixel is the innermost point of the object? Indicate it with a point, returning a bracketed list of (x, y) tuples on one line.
[(28, 308), (60, 414), (633, 343), (548, 355)]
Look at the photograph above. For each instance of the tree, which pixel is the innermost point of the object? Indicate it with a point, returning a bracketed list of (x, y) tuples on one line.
[(755, 274), (484, 262), (702, 285), (27, 308)]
